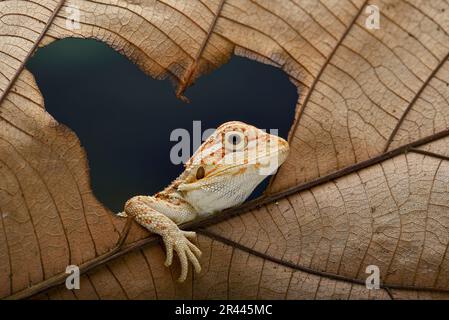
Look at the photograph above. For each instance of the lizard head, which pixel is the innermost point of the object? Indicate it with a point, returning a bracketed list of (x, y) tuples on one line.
[(229, 165)]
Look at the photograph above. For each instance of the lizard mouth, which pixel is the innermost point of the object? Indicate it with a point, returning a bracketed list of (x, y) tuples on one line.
[(280, 155)]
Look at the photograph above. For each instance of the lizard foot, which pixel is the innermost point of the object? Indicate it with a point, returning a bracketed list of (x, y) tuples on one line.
[(180, 241)]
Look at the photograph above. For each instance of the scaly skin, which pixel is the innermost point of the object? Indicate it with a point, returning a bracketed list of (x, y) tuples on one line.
[(221, 174)]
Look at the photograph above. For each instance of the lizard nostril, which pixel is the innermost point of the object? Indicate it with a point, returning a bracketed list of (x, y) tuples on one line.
[(200, 173)]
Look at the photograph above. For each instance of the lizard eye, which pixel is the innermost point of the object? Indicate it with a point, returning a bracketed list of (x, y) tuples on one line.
[(234, 141), (200, 173)]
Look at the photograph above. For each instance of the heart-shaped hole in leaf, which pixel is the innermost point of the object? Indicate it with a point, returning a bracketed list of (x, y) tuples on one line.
[(124, 118)]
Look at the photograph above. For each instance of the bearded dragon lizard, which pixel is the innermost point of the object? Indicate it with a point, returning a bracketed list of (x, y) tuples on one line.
[(221, 174)]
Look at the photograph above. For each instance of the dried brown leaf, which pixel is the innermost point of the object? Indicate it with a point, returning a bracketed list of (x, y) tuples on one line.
[(366, 182)]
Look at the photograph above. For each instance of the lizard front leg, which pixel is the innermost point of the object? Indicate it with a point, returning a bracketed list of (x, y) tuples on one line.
[(173, 237)]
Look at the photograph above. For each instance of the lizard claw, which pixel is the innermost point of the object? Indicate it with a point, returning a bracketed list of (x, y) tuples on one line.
[(178, 240)]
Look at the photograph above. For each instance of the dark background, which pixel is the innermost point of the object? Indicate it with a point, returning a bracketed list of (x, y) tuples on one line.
[(124, 118)]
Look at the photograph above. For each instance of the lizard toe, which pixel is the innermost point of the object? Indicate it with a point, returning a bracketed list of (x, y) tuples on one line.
[(184, 265), (169, 253), (194, 249), (189, 234), (194, 260)]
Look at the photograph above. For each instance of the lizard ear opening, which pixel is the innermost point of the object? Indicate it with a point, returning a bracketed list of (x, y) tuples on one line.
[(200, 173)]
